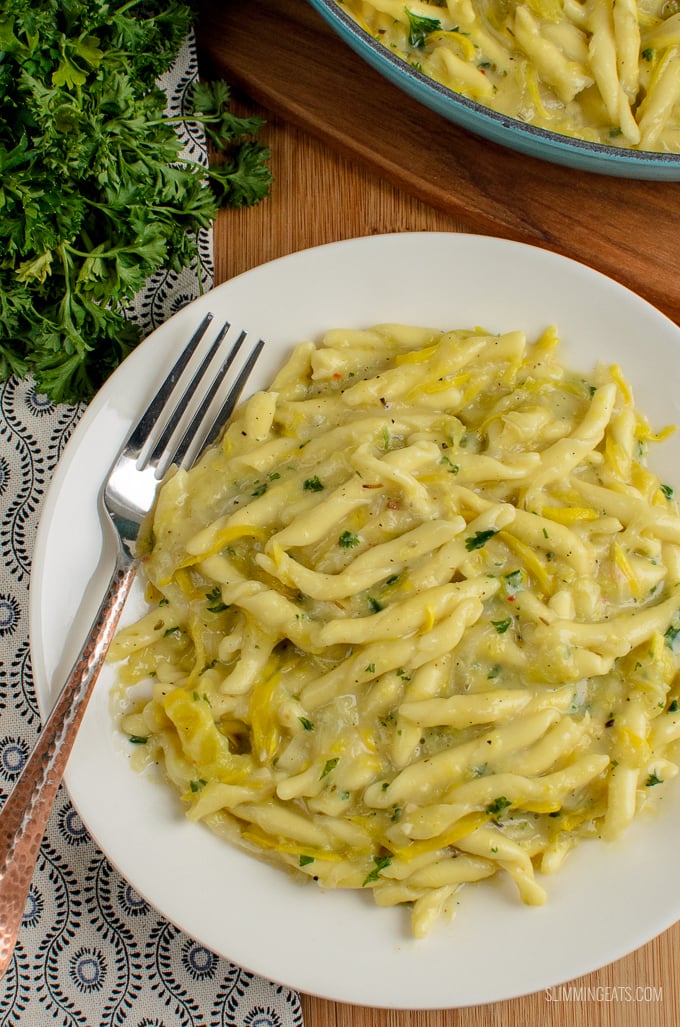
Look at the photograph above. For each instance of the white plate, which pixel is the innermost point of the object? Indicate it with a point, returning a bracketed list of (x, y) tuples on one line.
[(608, 899)]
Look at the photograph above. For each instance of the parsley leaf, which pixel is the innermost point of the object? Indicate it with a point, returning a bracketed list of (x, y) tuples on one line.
[(498, 805), (479, 539), (420, 27), (671, 637), (215, 601), (328, 767), (381, 863)]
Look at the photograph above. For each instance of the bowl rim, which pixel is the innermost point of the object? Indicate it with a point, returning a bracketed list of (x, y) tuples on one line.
[(498, 126)]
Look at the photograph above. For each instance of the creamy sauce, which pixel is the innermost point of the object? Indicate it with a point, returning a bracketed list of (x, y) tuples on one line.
[(599, 71), (412, 623)]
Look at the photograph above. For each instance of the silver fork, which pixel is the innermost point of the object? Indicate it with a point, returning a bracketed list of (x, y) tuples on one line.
[(175, 429)]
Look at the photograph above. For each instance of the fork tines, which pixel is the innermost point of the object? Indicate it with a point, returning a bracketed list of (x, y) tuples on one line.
[(197, 417)]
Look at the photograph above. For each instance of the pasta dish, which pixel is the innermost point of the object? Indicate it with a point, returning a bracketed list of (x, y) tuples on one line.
[(603, 71), (413, 623)]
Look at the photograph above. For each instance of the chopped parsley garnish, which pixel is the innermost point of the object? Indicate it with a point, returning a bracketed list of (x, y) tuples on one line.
[(452, 468), (374, 604), (306, 860), (348, 540), (420, 28), (381, 863), (215, 602), (513, 582), (328, 767), (671, 637), (313, 484), (674, 707), (197, 785), (138, 739), (653, 780), (498, 805), (668, 491), (306, 723), (479, 539), (502, 626)]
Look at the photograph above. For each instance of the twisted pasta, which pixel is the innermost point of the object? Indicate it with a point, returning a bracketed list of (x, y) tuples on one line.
[(603, 71), (413, 620)]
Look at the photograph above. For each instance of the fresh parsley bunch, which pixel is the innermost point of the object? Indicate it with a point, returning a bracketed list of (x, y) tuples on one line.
[(94, 193)]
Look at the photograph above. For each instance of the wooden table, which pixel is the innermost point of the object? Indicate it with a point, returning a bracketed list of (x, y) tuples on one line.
[(286, 58), (308, 207)]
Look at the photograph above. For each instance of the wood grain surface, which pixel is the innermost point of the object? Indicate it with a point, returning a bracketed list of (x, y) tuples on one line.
[(286, 58), (309, 206)]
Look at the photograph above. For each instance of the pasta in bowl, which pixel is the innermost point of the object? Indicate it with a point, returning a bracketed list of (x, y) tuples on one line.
[(591, 84), (413, 622)]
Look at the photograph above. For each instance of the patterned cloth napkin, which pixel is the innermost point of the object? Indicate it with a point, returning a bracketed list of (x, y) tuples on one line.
[(91, 951)]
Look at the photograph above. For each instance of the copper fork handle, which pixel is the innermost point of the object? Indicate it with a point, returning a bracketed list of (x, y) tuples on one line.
[(23, 818)]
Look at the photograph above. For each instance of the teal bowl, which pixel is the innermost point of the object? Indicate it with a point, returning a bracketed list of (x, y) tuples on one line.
[(508, 132)]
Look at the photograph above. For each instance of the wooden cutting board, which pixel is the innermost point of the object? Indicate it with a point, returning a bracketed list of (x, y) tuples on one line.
[(283, 55)]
